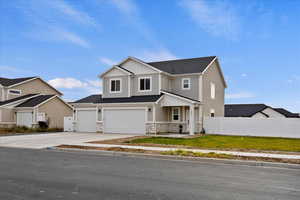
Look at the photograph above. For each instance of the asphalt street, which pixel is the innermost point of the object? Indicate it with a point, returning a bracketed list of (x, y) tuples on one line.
[(29, 174)]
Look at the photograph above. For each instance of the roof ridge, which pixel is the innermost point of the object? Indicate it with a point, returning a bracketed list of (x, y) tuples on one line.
[(181, 59)]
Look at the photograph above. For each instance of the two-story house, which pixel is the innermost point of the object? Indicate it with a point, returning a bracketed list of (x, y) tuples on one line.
[(154, 97), (26, 101)]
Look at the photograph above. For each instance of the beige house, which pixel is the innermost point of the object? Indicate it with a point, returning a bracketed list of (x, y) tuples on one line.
[(28, 101), (154, 97)]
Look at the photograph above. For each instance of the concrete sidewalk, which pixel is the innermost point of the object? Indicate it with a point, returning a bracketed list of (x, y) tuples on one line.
[(236, 153)]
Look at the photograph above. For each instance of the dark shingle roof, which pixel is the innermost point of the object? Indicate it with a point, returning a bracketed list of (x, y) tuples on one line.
[(35, 101), (287, 113), (16, 99), (133, 99), (8, 82), (243, 110), (183, 66)]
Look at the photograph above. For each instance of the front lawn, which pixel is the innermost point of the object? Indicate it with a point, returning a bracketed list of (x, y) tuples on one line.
[(23, 129), (226, 142)]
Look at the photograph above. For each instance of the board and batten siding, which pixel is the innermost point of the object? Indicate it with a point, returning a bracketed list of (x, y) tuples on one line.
[(124, 87), (213, 75), (193, 92)]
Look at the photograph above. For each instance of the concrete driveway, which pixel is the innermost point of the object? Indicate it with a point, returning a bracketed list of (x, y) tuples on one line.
[(40, 141)]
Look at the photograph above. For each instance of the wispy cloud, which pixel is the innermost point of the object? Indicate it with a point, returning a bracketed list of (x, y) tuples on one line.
[(156, 55), (128, 7), (107, 61), (72, 84), (11, 71), (215, 17), (240, 95)]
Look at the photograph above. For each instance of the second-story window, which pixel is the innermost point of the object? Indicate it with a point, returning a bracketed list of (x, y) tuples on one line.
[(145, 84), (15, 92), (115, 85), (186, 83)]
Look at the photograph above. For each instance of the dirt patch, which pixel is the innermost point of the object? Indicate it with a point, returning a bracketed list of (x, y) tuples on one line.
[(181, 153)]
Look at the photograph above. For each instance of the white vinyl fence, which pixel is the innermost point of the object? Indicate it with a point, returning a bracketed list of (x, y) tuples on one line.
[(272, 127)]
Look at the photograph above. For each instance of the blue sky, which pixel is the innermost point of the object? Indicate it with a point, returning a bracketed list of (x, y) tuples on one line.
[(70, 42)]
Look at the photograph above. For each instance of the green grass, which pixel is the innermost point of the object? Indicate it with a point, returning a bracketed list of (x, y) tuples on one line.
[(23, 129), (227, 142)]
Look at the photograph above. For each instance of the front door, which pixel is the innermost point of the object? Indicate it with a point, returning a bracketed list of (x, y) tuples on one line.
[(187, 119)]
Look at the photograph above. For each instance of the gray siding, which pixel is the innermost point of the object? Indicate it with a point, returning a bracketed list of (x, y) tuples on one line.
[(193, 92), (124, 87), (213, 75), (135, 84)]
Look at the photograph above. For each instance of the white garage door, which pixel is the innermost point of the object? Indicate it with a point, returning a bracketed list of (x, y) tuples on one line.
[(126, 121), (86, 120), (24, 119)]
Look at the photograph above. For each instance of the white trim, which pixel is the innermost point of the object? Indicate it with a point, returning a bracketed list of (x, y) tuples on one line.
[(142, 62), (129, 86), (22, 82), (200, 85), (160, 98), (114, 67), (139, 83), (9, 90), (115, 79), (189, 83), (159, 82), (218, 65), (187, 74), (154, 114), (189, 100), (179, 114)]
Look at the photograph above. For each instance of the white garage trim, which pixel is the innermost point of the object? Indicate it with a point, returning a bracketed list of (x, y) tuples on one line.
[(109, 128)]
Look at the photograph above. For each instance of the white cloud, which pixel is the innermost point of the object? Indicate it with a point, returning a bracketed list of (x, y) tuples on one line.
[(215, 17), (244, 75), (71, 37), (75, 14), (126, 6), (158, 55), (75, 85), (68, 83), (107, 61), (241, 95)]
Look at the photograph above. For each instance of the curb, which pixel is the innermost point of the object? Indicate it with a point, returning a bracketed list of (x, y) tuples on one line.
[(185, 158)]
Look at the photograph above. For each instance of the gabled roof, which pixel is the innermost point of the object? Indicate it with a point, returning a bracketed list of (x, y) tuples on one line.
[(6, 82), (180, 96), (287, 113), (17, 99), (134, 99), (243, 110), (35, 101), (184, 66)]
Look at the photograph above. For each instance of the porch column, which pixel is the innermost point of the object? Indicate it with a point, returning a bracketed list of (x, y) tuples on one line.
[(192, 119)]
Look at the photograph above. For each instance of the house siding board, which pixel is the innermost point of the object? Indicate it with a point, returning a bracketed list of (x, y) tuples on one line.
[(259, 115), (272, 113), (137, 68), (33, 87), (56, 116), (192, 93), (154, 85), (106, 87), (213, 74), (7, 115)]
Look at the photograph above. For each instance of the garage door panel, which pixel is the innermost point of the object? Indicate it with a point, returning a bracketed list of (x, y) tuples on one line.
[(24, 119), (86, 120), (126, 121)]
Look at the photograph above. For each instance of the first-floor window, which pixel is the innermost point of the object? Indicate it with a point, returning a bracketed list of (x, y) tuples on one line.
[(115, 85), (145, 84), (175, 114), (212, 113)]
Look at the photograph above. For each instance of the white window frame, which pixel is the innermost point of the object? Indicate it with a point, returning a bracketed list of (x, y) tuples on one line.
[(110, 83), (179, 114), (20, 92), (139, 84), (212, 90), (189, 83)]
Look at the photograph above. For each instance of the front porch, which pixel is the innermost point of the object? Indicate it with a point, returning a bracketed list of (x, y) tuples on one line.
[(175, 114)]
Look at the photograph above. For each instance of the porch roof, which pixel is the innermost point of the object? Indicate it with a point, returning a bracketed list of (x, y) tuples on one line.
[(173, 99)]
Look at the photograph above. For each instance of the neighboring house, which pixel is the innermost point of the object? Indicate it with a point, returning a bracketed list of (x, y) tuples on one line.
[(26, 101), (256, 111), (155, 97)]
